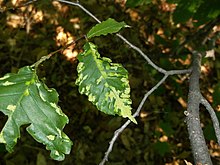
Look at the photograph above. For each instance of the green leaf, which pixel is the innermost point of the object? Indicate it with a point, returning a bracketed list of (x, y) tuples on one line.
[(185, 10), (25, 100), (216, 95), (203, 15), (105, 83), (106, 27), (161, 148), (135, 3)]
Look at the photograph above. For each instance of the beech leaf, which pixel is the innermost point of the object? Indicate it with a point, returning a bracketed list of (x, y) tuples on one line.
[(105, 83), (106, 27), (27, 101)]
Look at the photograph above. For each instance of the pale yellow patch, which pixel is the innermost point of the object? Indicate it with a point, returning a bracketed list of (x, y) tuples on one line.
[(58, 110), (26, 93), (57, 153), (51, 137), (2, 140), (11, 107), (7, 83), (3, 78)]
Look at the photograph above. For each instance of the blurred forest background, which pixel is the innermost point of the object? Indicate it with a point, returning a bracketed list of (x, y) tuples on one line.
[(158, 28)]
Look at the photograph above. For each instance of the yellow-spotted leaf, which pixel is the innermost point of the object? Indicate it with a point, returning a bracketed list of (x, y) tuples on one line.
[(105, 83), (27, 101)]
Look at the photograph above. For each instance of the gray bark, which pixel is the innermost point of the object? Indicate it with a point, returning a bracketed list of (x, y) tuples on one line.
[(199, 148)]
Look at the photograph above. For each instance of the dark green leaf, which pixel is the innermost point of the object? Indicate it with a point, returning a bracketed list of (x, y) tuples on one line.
[(185, 10), (106, 27), (162, 148), (25, 100), (135, 3), (216, 95)]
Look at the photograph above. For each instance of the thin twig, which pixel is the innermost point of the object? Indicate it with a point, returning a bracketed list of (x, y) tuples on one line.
[(121, 129), (82, 7), (46, 57), (159, 69), (213, 117), (16, 7)]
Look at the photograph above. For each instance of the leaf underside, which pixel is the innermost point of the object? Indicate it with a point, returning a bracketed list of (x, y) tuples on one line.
[(25, 100), (106, 27), (105, 83)]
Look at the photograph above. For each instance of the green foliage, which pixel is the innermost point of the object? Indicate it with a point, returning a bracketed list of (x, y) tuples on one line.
[(196, 9), (161, 148), (209, 132), (105, 83), (26, 100), (163, 111), (216, 95), (106, 27), (135, 3)]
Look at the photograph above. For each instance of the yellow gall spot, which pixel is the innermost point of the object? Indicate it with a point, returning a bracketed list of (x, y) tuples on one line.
[(91, 98), (51, 137), (2, 140), (57, 153), (26, 93), (11, 107), (58, 110), (3, 78), (99, 80), (7, 83)]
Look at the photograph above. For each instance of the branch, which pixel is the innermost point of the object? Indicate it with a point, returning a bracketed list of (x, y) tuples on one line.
[(14, 8), (197, 140), (161, 70), (201, 33), (46, 57), (121, 129), (213, 117)]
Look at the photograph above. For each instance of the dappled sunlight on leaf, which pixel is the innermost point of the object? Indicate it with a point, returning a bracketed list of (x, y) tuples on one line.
[(167, 7), (27, 19), (63, 38), (17, 2), (218, 108), (61, 8), (133, 14), (75, 22), (215, 149), (15, 20), (164, 138), (182, 102), (143, 114)]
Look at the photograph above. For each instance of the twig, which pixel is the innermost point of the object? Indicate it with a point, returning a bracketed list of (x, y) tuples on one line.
[(44, 58), (161, 70), (121, 129), (201, 33), (81, 7), (150, 62), (213, 117), (22, 5)]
